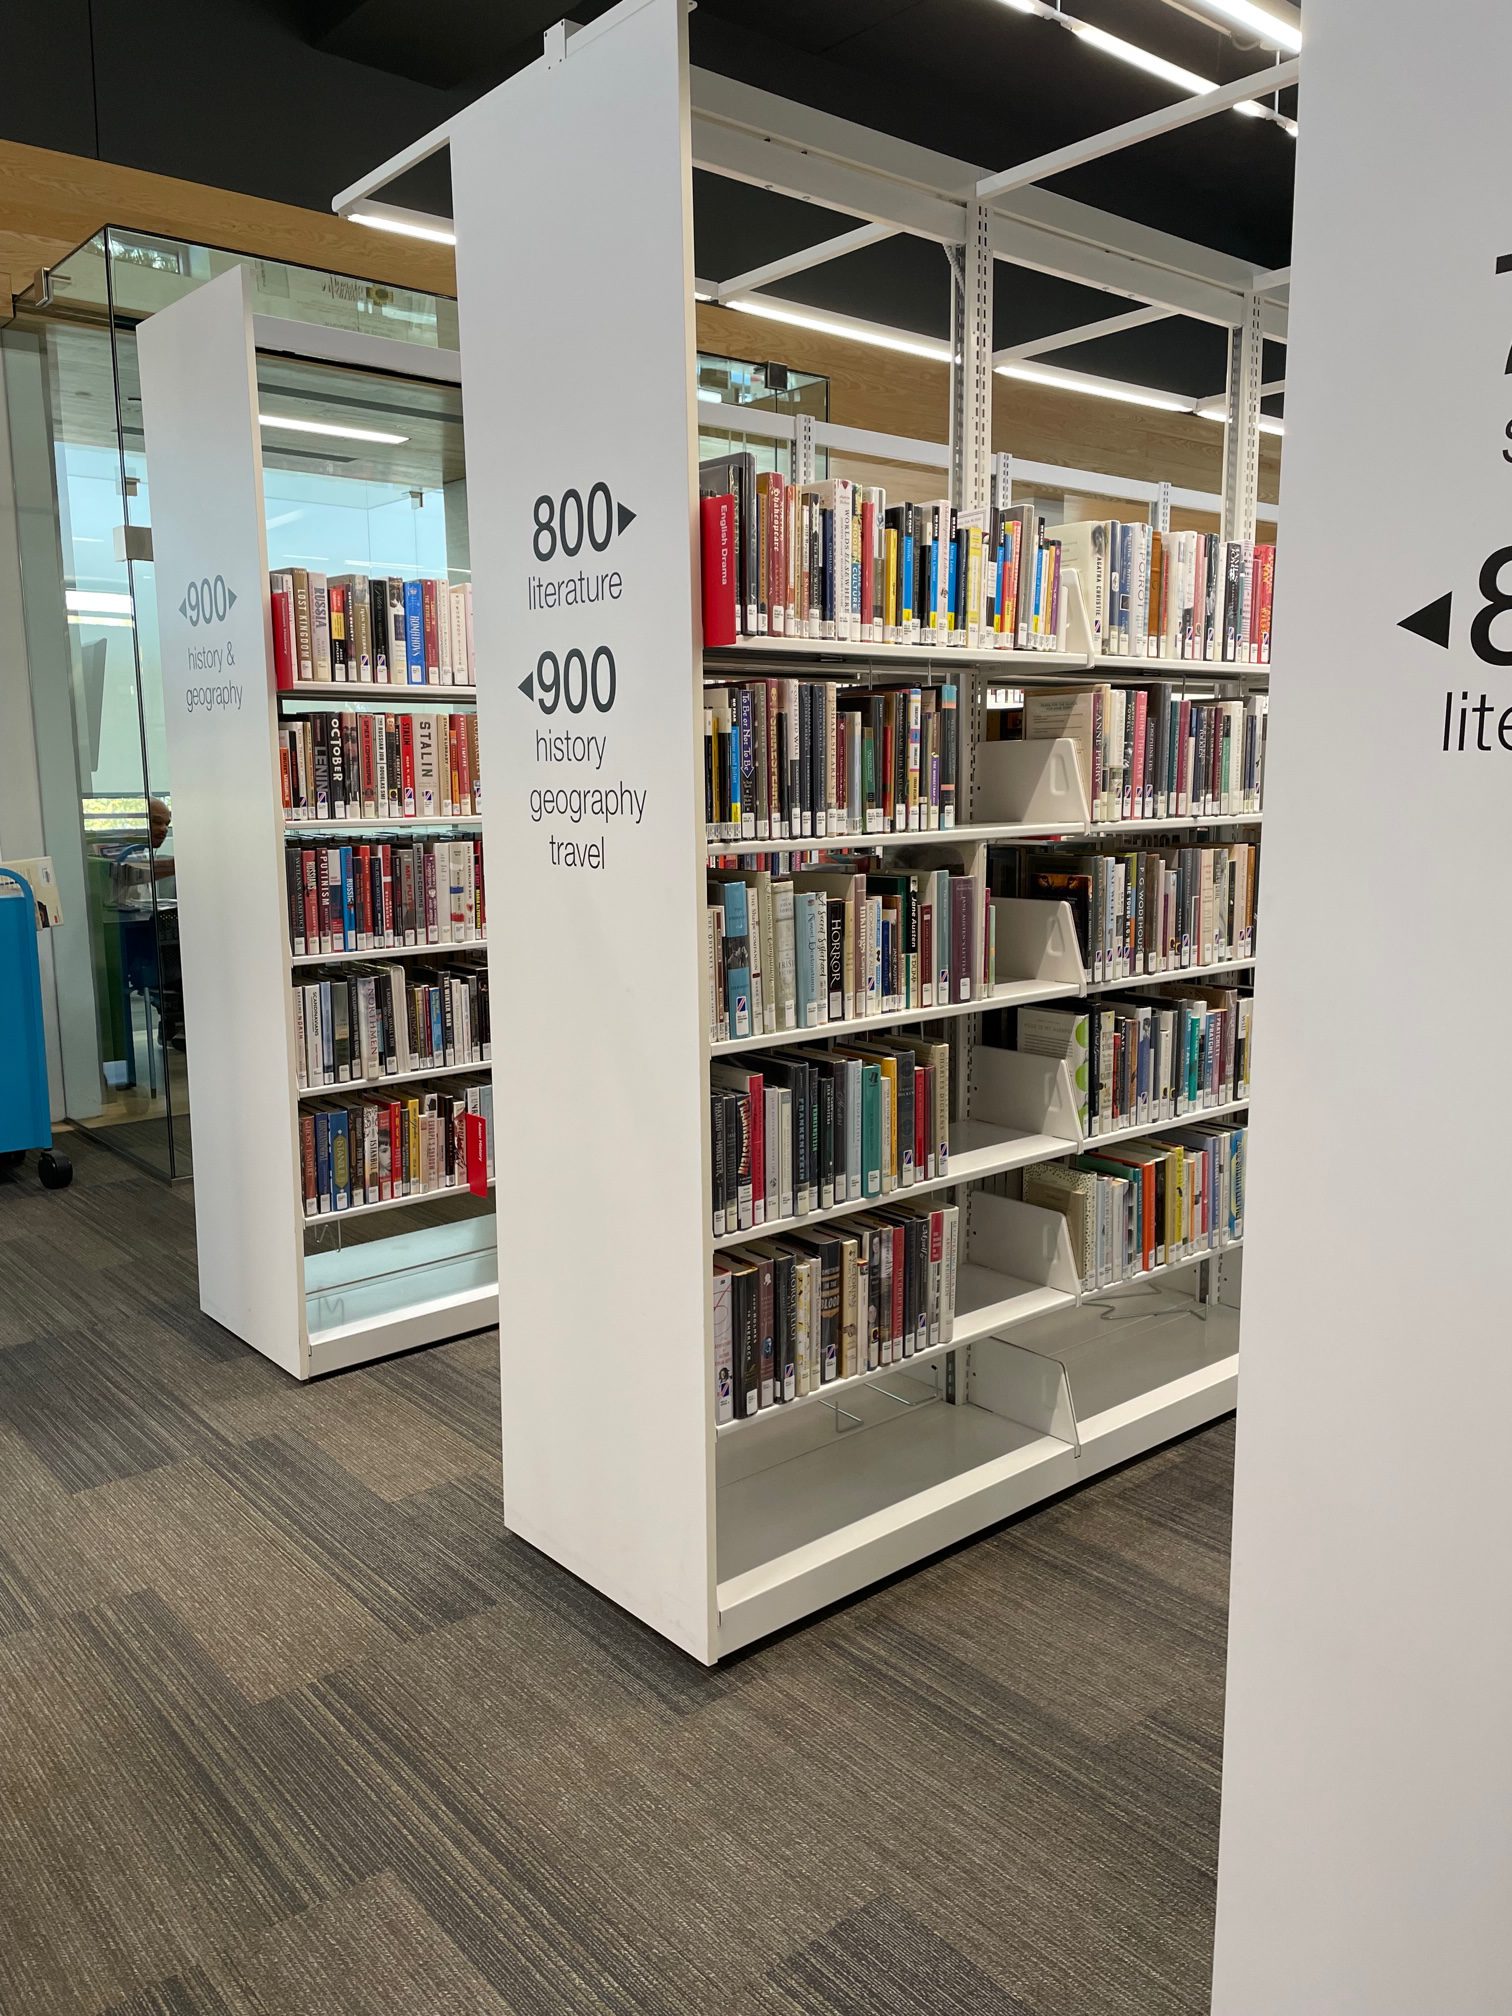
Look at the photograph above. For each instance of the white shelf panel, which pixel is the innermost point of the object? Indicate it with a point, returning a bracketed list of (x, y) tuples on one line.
[(385, 952), (851, 1509), (391, 699), (1009, 994), (890, 658), (987, 1301), (388, 1203), (1187, 668), (1188, 824), (307, 1092), (951, 836), (295, 829), (977, 1149), (1134, 981), (859, 1506), (1194, 1118), (1158, 1274), (391, 1295)]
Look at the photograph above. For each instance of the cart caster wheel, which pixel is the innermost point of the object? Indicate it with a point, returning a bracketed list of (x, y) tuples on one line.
[(56, 1171), (12, 1158)]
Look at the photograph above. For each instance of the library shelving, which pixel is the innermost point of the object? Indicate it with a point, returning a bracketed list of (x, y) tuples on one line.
[(612, 1462), (312, 1292)]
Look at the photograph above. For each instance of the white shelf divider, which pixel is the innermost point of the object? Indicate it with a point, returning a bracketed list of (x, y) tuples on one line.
[(1034, 784)]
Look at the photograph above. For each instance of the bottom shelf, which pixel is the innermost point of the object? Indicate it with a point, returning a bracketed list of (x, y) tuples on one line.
[(833, 1508), (386, 1295)]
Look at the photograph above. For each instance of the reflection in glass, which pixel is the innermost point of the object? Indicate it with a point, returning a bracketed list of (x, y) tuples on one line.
[(333, 505)]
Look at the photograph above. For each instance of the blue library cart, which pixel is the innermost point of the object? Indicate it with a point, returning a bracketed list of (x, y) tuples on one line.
[(25, 1119)]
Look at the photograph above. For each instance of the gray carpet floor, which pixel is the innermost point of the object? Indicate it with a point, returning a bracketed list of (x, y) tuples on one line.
[(291, 1726)]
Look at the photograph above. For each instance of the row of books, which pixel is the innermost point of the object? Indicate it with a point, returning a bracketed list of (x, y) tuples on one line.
[(344, 764), (367, 1023), (1156, 752), (786, 759), (831, 945), (794, 1314), (349, 629), (834, 561), (378, 894), (373, 1149), (797, 1133), (1174, 594), (1134, 1208), (1172, 1051), (1151, 912)]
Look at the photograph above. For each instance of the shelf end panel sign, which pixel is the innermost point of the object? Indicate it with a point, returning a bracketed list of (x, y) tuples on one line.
[(1366, 1851), (572, 191)]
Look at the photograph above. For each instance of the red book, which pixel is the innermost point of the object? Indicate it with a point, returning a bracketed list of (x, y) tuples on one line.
[(921, 1133), (899, 1278), (868, 570), (310, 876), (432, 633), (1267, 595), (285, 655), (407, 764), (465, 805), (367, 767), (285, 784), (475, 1130), (386, 890), (717, 516), (362, 877)]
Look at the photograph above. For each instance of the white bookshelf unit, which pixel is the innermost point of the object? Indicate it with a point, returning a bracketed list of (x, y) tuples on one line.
[(308, 1292), (613, 1464)]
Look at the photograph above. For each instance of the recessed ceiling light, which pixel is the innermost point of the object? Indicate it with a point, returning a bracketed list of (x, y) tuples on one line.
[(283, 420), (855, 332), (1259, 21), (1097, 388), (434, 234)]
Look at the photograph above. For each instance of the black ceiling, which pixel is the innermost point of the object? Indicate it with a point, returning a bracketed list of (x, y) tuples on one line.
[(293, 99)]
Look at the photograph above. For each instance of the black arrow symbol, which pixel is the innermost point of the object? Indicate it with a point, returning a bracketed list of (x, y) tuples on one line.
[(527, 686), (626, 515), (1431, 621), (184, 607), (230, 598)]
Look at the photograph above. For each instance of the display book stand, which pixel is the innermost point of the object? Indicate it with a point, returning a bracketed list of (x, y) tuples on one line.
[(293, 1288), (612, 1463)]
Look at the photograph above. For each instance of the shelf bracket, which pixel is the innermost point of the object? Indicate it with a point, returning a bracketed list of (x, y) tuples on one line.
[(804, 453)]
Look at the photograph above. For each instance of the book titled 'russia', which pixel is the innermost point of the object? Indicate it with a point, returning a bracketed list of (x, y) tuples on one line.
[(718, 515)]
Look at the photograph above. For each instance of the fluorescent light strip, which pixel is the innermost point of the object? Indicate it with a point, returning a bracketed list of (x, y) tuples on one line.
[(1268, 423), (433, 234), (855, 332), (89, 603), (324, 427), (1146, 59), (1260, 23), (1096, 388)]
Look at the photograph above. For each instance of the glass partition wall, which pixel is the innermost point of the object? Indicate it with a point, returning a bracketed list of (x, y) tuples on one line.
[(371, 480)]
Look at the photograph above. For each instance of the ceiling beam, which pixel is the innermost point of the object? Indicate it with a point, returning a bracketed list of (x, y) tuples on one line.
[(801, 262), (1185, 112), (755, 136), (1112, 325)]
